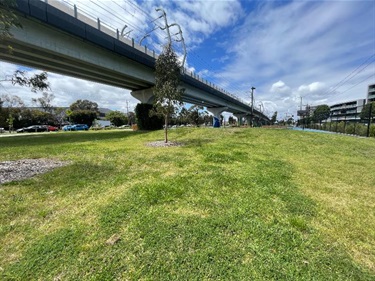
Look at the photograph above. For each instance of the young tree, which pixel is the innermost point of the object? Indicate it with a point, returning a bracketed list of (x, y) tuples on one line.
[(168, 97)]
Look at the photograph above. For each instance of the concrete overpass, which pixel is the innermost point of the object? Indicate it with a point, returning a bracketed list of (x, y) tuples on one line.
[(59, 39)]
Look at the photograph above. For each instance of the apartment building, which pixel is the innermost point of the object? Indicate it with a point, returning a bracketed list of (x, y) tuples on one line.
[(347, 111), (371, 93)]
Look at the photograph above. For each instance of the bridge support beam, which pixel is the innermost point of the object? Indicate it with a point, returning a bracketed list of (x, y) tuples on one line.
[(249, 120), (216, 111), (144, 96), (239, 117)]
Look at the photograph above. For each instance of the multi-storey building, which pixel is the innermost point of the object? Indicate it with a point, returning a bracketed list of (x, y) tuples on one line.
[(371, 93), (347, 111)]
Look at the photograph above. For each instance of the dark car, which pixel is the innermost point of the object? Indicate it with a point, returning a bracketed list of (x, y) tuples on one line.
[(33, 128)]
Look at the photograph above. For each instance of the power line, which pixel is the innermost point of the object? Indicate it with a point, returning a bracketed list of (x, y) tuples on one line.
[(359, 83), (351, 75)]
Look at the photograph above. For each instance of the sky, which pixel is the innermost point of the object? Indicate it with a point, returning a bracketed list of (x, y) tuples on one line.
[(292, 52)]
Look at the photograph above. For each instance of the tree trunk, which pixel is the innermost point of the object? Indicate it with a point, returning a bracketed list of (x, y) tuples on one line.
[(166, 129)]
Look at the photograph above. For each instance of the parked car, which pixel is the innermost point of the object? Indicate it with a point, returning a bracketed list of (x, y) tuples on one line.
[(33, 128), (76, 127), (52, 128), (67, 128), (80, 127)]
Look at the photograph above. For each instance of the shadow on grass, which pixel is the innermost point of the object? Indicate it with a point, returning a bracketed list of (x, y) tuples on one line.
[(219, 225)]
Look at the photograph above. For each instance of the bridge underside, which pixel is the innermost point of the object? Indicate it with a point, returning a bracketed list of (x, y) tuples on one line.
[(55, 41), (42, 59)]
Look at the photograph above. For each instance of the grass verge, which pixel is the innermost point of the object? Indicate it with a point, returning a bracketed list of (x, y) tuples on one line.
[(236, 204)]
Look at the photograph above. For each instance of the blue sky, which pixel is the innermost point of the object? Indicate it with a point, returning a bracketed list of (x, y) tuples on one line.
[(286, 49)]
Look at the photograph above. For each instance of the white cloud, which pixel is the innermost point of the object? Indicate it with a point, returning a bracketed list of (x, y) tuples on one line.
[(299, 42), (279, 87)]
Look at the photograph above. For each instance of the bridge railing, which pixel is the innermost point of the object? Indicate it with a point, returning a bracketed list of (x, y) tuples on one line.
[(80, 14)]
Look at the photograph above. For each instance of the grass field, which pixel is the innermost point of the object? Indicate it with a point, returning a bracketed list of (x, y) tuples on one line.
[(231, 204)]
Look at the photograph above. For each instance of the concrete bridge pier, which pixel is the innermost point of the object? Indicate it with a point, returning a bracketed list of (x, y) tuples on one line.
[(239, 117), (144, 96), (216, 111), (249, 120)]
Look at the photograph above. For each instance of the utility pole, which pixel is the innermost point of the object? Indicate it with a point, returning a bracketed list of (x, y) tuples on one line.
[(369, 120), (252, 106), (127, 111)]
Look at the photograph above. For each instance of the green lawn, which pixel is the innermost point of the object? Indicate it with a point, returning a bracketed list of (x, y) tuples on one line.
[(231, 204)]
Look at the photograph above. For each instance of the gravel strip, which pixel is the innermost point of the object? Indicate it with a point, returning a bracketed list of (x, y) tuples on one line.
[(26, 168), (163, 144)]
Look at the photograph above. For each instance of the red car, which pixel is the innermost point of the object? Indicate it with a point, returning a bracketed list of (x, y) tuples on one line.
[(52, 128)]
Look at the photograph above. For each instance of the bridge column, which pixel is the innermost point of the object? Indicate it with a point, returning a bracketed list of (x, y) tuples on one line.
[(239, 117), (144, 96), (216, 111), (248, 119)]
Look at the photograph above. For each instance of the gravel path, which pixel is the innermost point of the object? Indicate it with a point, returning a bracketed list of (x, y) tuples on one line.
[(26, 168)]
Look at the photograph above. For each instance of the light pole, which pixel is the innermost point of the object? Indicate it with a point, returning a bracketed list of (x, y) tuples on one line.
[(252, 106)]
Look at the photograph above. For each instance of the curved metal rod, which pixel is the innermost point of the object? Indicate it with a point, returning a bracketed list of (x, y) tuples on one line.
[(166, 25), (181, 40), (144, 37), (123, 29)]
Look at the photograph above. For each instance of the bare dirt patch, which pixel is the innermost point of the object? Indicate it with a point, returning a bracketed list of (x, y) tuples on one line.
[(27, 168)]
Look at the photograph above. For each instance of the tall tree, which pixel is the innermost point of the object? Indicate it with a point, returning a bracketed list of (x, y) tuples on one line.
[(195, 115), (11, 101), (45, 102), (168, 97), (83, 117), (37, 82), (366, 111), (117, 118), (83, 112), (84, 105), (274, 118), (321, 113)]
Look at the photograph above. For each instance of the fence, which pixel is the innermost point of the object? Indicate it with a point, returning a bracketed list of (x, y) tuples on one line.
[(350, 128)]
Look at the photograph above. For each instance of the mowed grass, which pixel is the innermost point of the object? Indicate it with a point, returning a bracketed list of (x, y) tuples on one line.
[(231, 204)]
